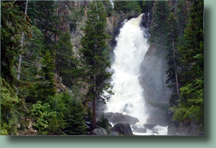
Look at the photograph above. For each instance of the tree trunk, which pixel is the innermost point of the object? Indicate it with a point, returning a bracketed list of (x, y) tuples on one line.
[(176, 74), (95, 94), (20, 57), (94, 104)]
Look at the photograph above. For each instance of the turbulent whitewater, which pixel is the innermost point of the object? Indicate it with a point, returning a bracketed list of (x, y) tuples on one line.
[(128, 55)]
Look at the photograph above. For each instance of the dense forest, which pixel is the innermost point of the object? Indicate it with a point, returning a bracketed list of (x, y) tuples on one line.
[(55, 55)]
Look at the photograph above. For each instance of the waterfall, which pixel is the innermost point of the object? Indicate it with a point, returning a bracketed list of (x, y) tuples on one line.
[(128, 54)]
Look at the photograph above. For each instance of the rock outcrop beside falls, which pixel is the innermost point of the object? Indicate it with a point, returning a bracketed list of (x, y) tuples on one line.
[(121, 125), (116, 130), (119, 117), (123, 129), (99, 132)]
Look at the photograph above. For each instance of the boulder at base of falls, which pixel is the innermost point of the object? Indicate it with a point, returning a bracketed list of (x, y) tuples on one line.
[(99, 131), (120, 118), (122, 129), (114, 133)]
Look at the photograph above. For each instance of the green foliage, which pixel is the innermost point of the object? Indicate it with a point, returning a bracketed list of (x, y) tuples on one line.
[(191, 104), (32, 54), (4, 131), (47, 51), (45, 18), (12, 26), (70, 115), (30, 62), (128, 7), (103, 122), (61, 101), (75, 123), (159, 26), (108, 7), (66, 63), (119, 6), (75, 17), (44, 117), (90, 114), (9, 106), (183, 48), (146, 5), (172, 58), (133, 6), (56, 125), (47, 67), (182, 15), (45, 87), (63, 116), (95, 53)]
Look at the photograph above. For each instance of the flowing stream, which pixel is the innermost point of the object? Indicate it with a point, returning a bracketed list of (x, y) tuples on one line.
[(129, 53)]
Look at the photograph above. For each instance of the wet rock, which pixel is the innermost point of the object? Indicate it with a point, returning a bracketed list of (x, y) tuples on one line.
[(195, 128), (183, 130), (114, 133), (122, 129), (120, 118), (99, 131)]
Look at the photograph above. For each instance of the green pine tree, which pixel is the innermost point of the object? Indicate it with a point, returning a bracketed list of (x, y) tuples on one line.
[(66, 63), (146, 5), (129, 7), (44, 88), (45, 18), (159, 25), (191, 104), (30, 62), (172, 58), (75, 123), (94, 54)]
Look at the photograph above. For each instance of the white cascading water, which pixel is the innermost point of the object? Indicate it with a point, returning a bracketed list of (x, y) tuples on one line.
[(129, 53)]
